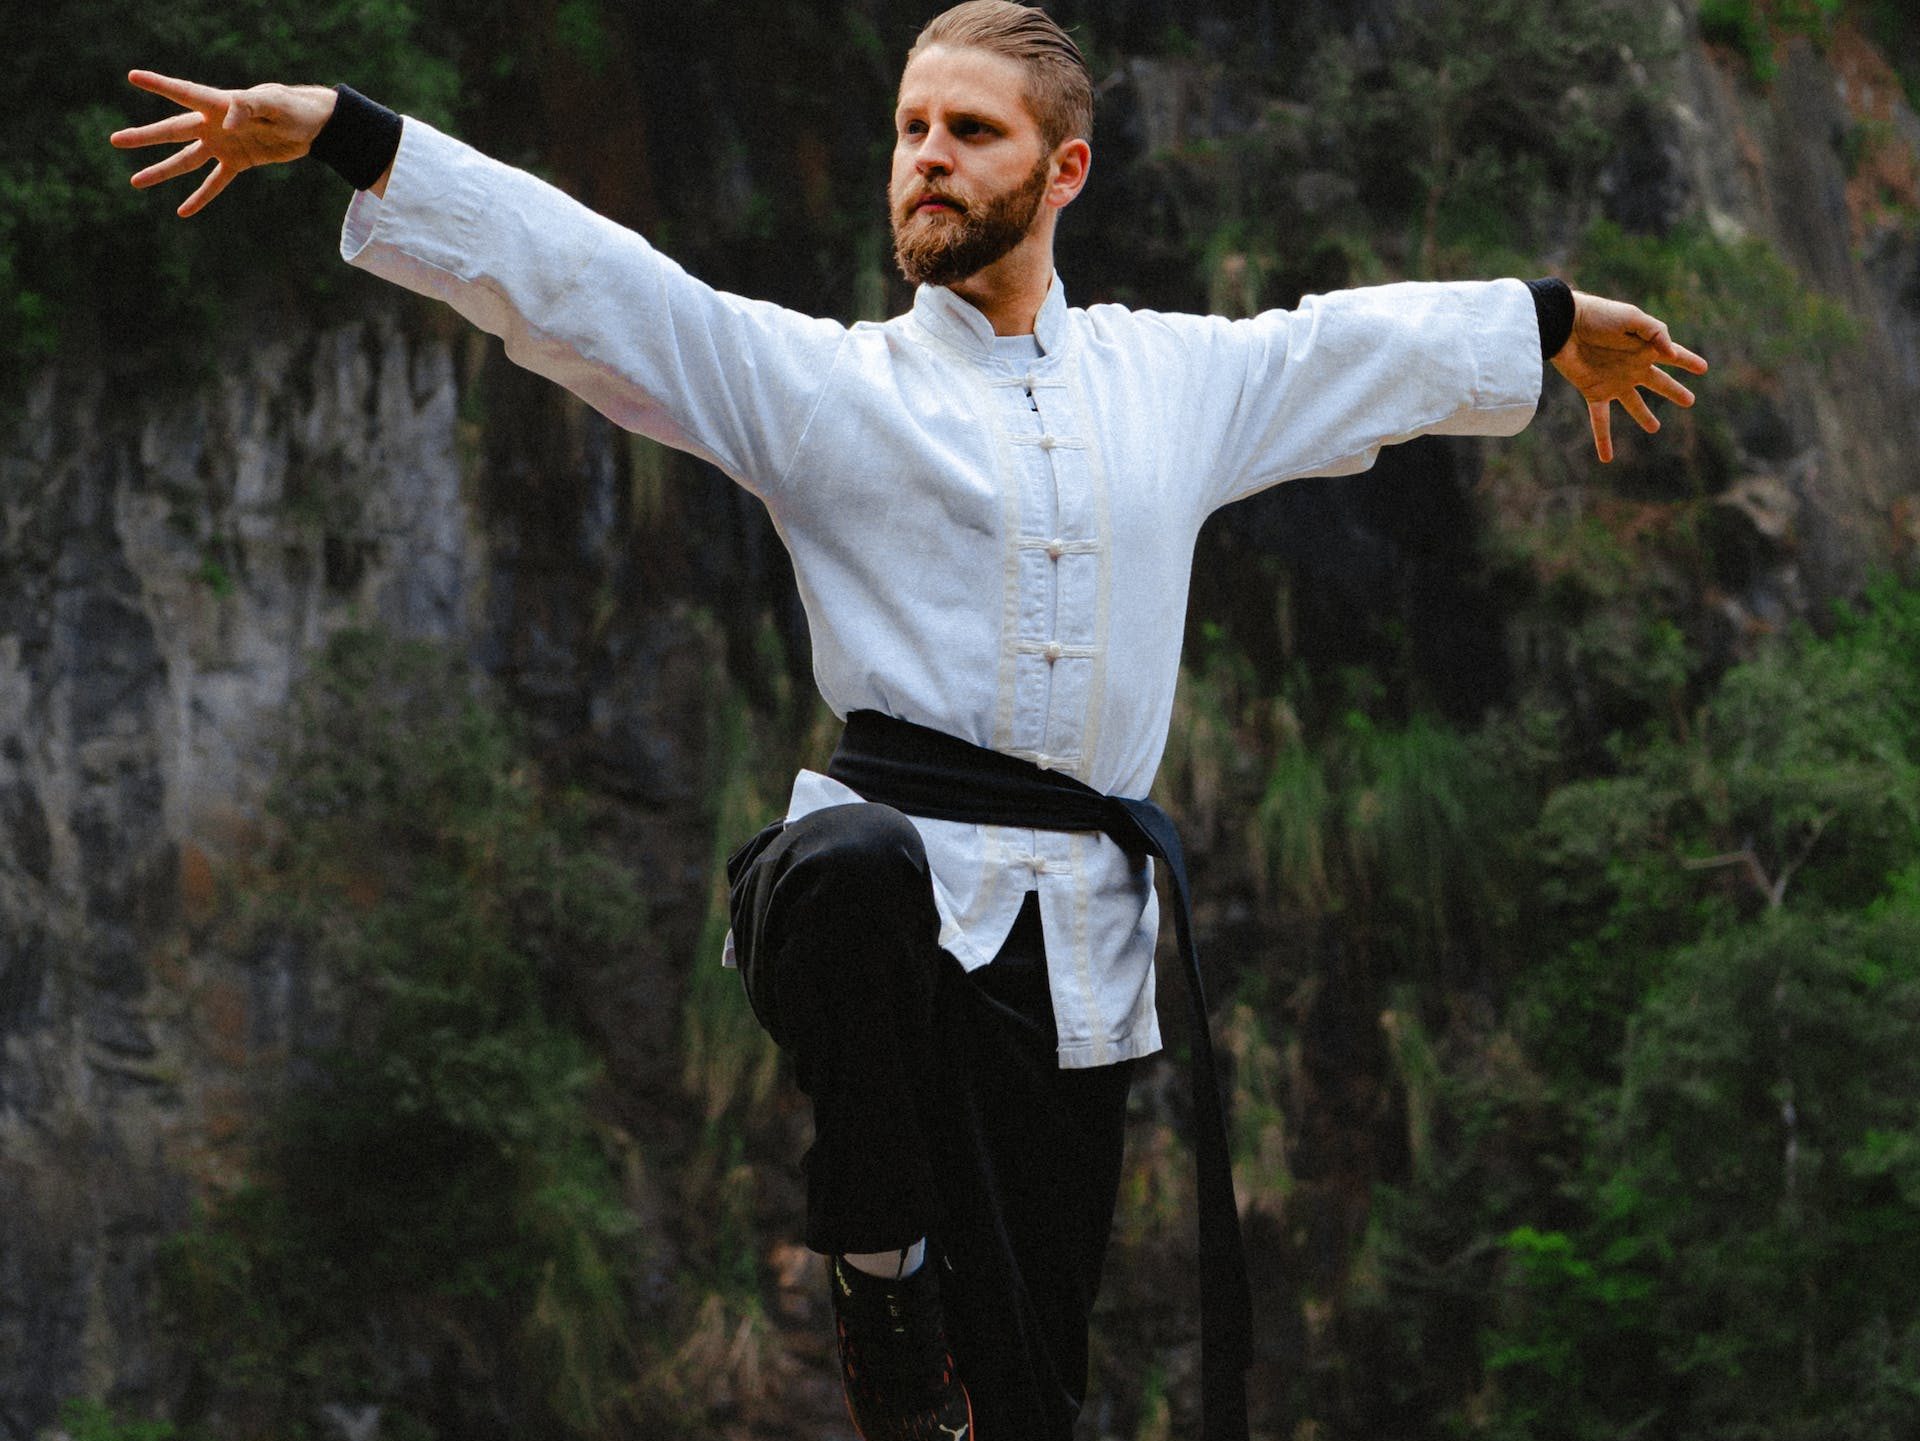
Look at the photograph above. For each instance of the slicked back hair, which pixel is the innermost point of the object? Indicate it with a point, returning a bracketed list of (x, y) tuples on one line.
[(1059, 85)]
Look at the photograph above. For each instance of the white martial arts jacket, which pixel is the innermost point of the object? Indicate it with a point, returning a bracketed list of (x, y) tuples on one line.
[(999, 552)]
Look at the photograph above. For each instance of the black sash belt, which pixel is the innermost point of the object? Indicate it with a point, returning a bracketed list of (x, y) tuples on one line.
[(927, 773)]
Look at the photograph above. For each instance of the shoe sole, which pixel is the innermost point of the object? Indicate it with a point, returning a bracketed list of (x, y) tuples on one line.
[(966, 1435)]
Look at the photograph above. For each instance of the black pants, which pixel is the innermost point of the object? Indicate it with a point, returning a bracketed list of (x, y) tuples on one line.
[(940, 1108)]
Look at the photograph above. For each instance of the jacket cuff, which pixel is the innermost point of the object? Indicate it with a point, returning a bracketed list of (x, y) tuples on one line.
[(359, 141), (1553, 306)]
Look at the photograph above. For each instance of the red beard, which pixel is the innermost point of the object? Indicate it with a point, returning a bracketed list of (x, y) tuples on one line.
[(942, 247)]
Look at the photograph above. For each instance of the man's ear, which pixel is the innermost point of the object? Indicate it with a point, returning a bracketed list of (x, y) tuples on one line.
[(1072, 159)]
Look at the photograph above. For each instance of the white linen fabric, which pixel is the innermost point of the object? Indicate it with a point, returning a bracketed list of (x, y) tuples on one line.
[(996, 549)]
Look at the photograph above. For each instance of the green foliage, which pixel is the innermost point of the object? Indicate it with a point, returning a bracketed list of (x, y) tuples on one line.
[(1742, 28), (581, 27), (1797, 783), (1769, 1126), (1221, 728), (1882, 635), (442, 1172), (1470, 120), (729, 1068), (1156, 1416), (1408, 833), (1797, 778), (1257, 1106), (216, 578), (1617, 583), (86, 261), (1895, 27), (1429, 1278), (730, 1061), (1685, 1203), (94, 1421), (1751, 28), (1734, 300), (715, 1358), (1577, 1325)]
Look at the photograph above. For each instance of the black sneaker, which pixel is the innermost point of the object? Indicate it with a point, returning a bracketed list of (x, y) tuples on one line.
[(894, 1358)]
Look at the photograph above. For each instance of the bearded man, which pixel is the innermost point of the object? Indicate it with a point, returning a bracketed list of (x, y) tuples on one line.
[(991, 503)]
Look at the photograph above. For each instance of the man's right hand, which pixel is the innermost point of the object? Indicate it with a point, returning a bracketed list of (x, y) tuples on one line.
[(235, 129), (1615, 351)]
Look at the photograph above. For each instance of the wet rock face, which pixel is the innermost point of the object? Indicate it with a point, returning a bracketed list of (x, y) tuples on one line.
[(167, 571), (1644, 186), (163, 570), (1775, 162)]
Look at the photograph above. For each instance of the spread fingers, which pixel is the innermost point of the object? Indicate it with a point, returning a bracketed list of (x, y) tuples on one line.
[(1600, 417), (221, 176), (161, 132), (1665, 386), (191, 157), (1636, 406), (1671, 354), (181, 92)]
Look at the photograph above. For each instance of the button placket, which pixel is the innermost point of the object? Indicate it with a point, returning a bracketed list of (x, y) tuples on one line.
[(1063, 442), (1049, 457), (1034, 456)]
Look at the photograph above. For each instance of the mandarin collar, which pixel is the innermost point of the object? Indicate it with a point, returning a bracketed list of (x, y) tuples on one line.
[(946, 316)]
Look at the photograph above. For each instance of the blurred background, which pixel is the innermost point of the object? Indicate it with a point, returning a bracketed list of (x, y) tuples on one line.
[(373, 715)]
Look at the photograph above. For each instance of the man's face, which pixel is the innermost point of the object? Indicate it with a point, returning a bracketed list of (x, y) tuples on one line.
[(970, 169)]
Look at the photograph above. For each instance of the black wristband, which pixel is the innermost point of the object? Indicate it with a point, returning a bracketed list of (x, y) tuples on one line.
[(1553, 308), (359, 139)]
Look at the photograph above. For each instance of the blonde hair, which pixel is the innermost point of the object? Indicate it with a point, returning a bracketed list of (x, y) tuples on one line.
[(1059, 85)]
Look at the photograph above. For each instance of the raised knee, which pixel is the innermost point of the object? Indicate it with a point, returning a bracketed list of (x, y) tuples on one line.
[(857, 847)]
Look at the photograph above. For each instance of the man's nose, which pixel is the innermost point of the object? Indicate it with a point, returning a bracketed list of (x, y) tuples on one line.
[(935, 155)]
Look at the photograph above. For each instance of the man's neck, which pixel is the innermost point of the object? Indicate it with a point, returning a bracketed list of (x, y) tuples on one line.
[(1011, 291)]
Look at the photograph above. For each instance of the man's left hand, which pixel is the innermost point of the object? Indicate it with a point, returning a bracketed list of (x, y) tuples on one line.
[(236, 129), (1615, 350)]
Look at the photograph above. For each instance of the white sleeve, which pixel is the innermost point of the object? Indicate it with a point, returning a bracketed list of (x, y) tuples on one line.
[(1319, 389), (593, 306)]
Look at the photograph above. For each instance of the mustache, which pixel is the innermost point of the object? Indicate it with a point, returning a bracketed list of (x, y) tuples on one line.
[(923, 193)]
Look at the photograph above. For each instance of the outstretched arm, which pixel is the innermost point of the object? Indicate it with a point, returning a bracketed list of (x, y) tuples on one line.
[(235, 129), (1615, 351), (572, 295)]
